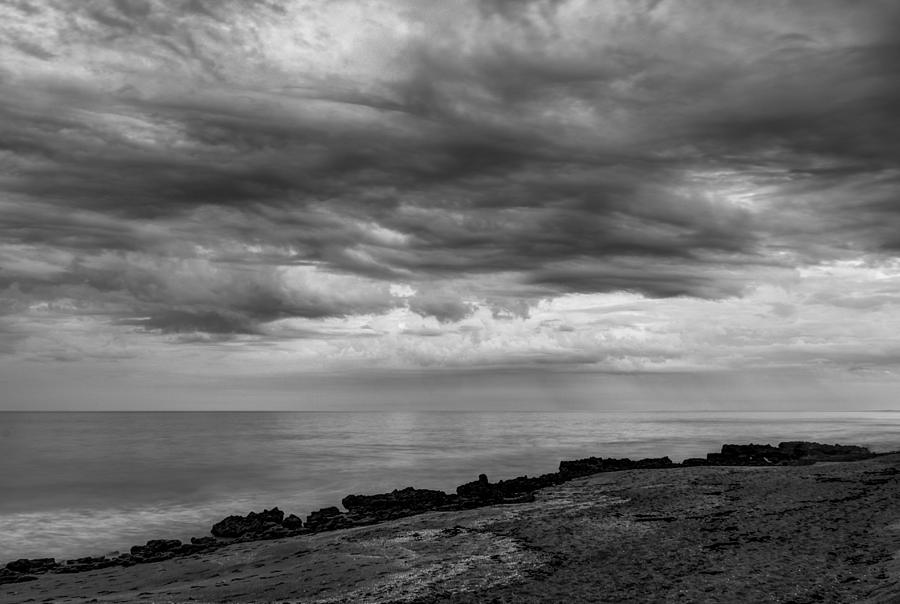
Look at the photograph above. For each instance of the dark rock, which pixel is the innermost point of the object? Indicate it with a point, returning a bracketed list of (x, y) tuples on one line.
[(401, 502), (187, 549), (234, 526), (695, 461), (595, 465), (32, 565), (274, 532), (160, 545), (820, 452), (205, 541), (653, 463), (9, 576), (320, 517), (479, 492), (156, 549), (323, 513), (274, 515), (89, 563), (786, 453), (516, 490), (292, 522), (747, 455), (521, 485), (240, 526), (328, 519)]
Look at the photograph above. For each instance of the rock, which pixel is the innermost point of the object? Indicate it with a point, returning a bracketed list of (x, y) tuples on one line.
[(89, 563), (329, 519), (479, 492), (274, 515), (653, 463), (820, 452), (520, 485), (402, 502), (595, 465), (10, 576), (320, 518), (275, 531), (268, 524), (747, 455), (234, 526), (792, 452), (156, 549), (694, 461), (516, 490), (240, 526), (32, 565), (205, 541), (323, 513)]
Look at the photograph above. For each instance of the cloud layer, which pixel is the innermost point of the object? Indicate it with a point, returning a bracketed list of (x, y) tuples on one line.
[(410, 184)]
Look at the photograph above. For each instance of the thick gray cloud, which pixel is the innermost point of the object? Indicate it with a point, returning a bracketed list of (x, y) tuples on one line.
[(669, 149)]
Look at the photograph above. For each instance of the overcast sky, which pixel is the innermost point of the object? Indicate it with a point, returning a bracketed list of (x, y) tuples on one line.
[(466, 204)]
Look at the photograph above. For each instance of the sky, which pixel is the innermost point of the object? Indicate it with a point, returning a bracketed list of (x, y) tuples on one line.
[(478, 204)]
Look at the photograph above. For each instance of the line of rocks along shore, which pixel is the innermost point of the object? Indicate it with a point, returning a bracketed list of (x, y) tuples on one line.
[(365, 510)]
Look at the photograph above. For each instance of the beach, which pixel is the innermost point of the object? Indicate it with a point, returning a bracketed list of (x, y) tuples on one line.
[(828, 532), (85, 484)]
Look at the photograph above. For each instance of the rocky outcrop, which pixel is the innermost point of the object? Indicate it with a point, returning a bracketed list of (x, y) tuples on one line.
[(747, 455), (396, 504), (595, 465), (818, 452), (266, 524), (786, 453), (322, 515), (32, 565), (515, 487), (479, 492), (161, 549), (695, 461), (90, 563), (205, 541), (516, 490), (11, 576), (328, 519)]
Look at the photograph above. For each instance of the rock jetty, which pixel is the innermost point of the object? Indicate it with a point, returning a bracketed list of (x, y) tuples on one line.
[(362, 510)]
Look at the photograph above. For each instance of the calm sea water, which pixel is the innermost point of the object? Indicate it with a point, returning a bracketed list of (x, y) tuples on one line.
[(74, 484)]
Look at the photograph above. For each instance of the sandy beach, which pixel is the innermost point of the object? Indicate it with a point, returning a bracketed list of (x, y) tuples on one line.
[(828, 532)]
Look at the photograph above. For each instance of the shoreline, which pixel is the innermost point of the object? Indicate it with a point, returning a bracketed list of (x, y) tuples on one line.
[(377, 512)]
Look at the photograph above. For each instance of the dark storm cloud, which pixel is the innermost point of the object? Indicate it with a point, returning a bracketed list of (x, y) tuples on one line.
[(655, 280), (174, 321), (532, 139)]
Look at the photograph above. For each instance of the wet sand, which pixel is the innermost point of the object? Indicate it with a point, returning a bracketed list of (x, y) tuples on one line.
[(828, 532)]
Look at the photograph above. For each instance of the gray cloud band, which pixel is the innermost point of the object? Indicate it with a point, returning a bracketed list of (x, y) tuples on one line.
[(658, 162)]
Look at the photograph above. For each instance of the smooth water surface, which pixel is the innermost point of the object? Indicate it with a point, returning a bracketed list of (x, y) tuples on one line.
[(75, 484)]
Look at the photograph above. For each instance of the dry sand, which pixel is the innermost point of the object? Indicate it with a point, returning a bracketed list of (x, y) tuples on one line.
[(821, 533)]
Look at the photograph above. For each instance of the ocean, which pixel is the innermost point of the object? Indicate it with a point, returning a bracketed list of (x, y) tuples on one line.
[(77, 484)]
